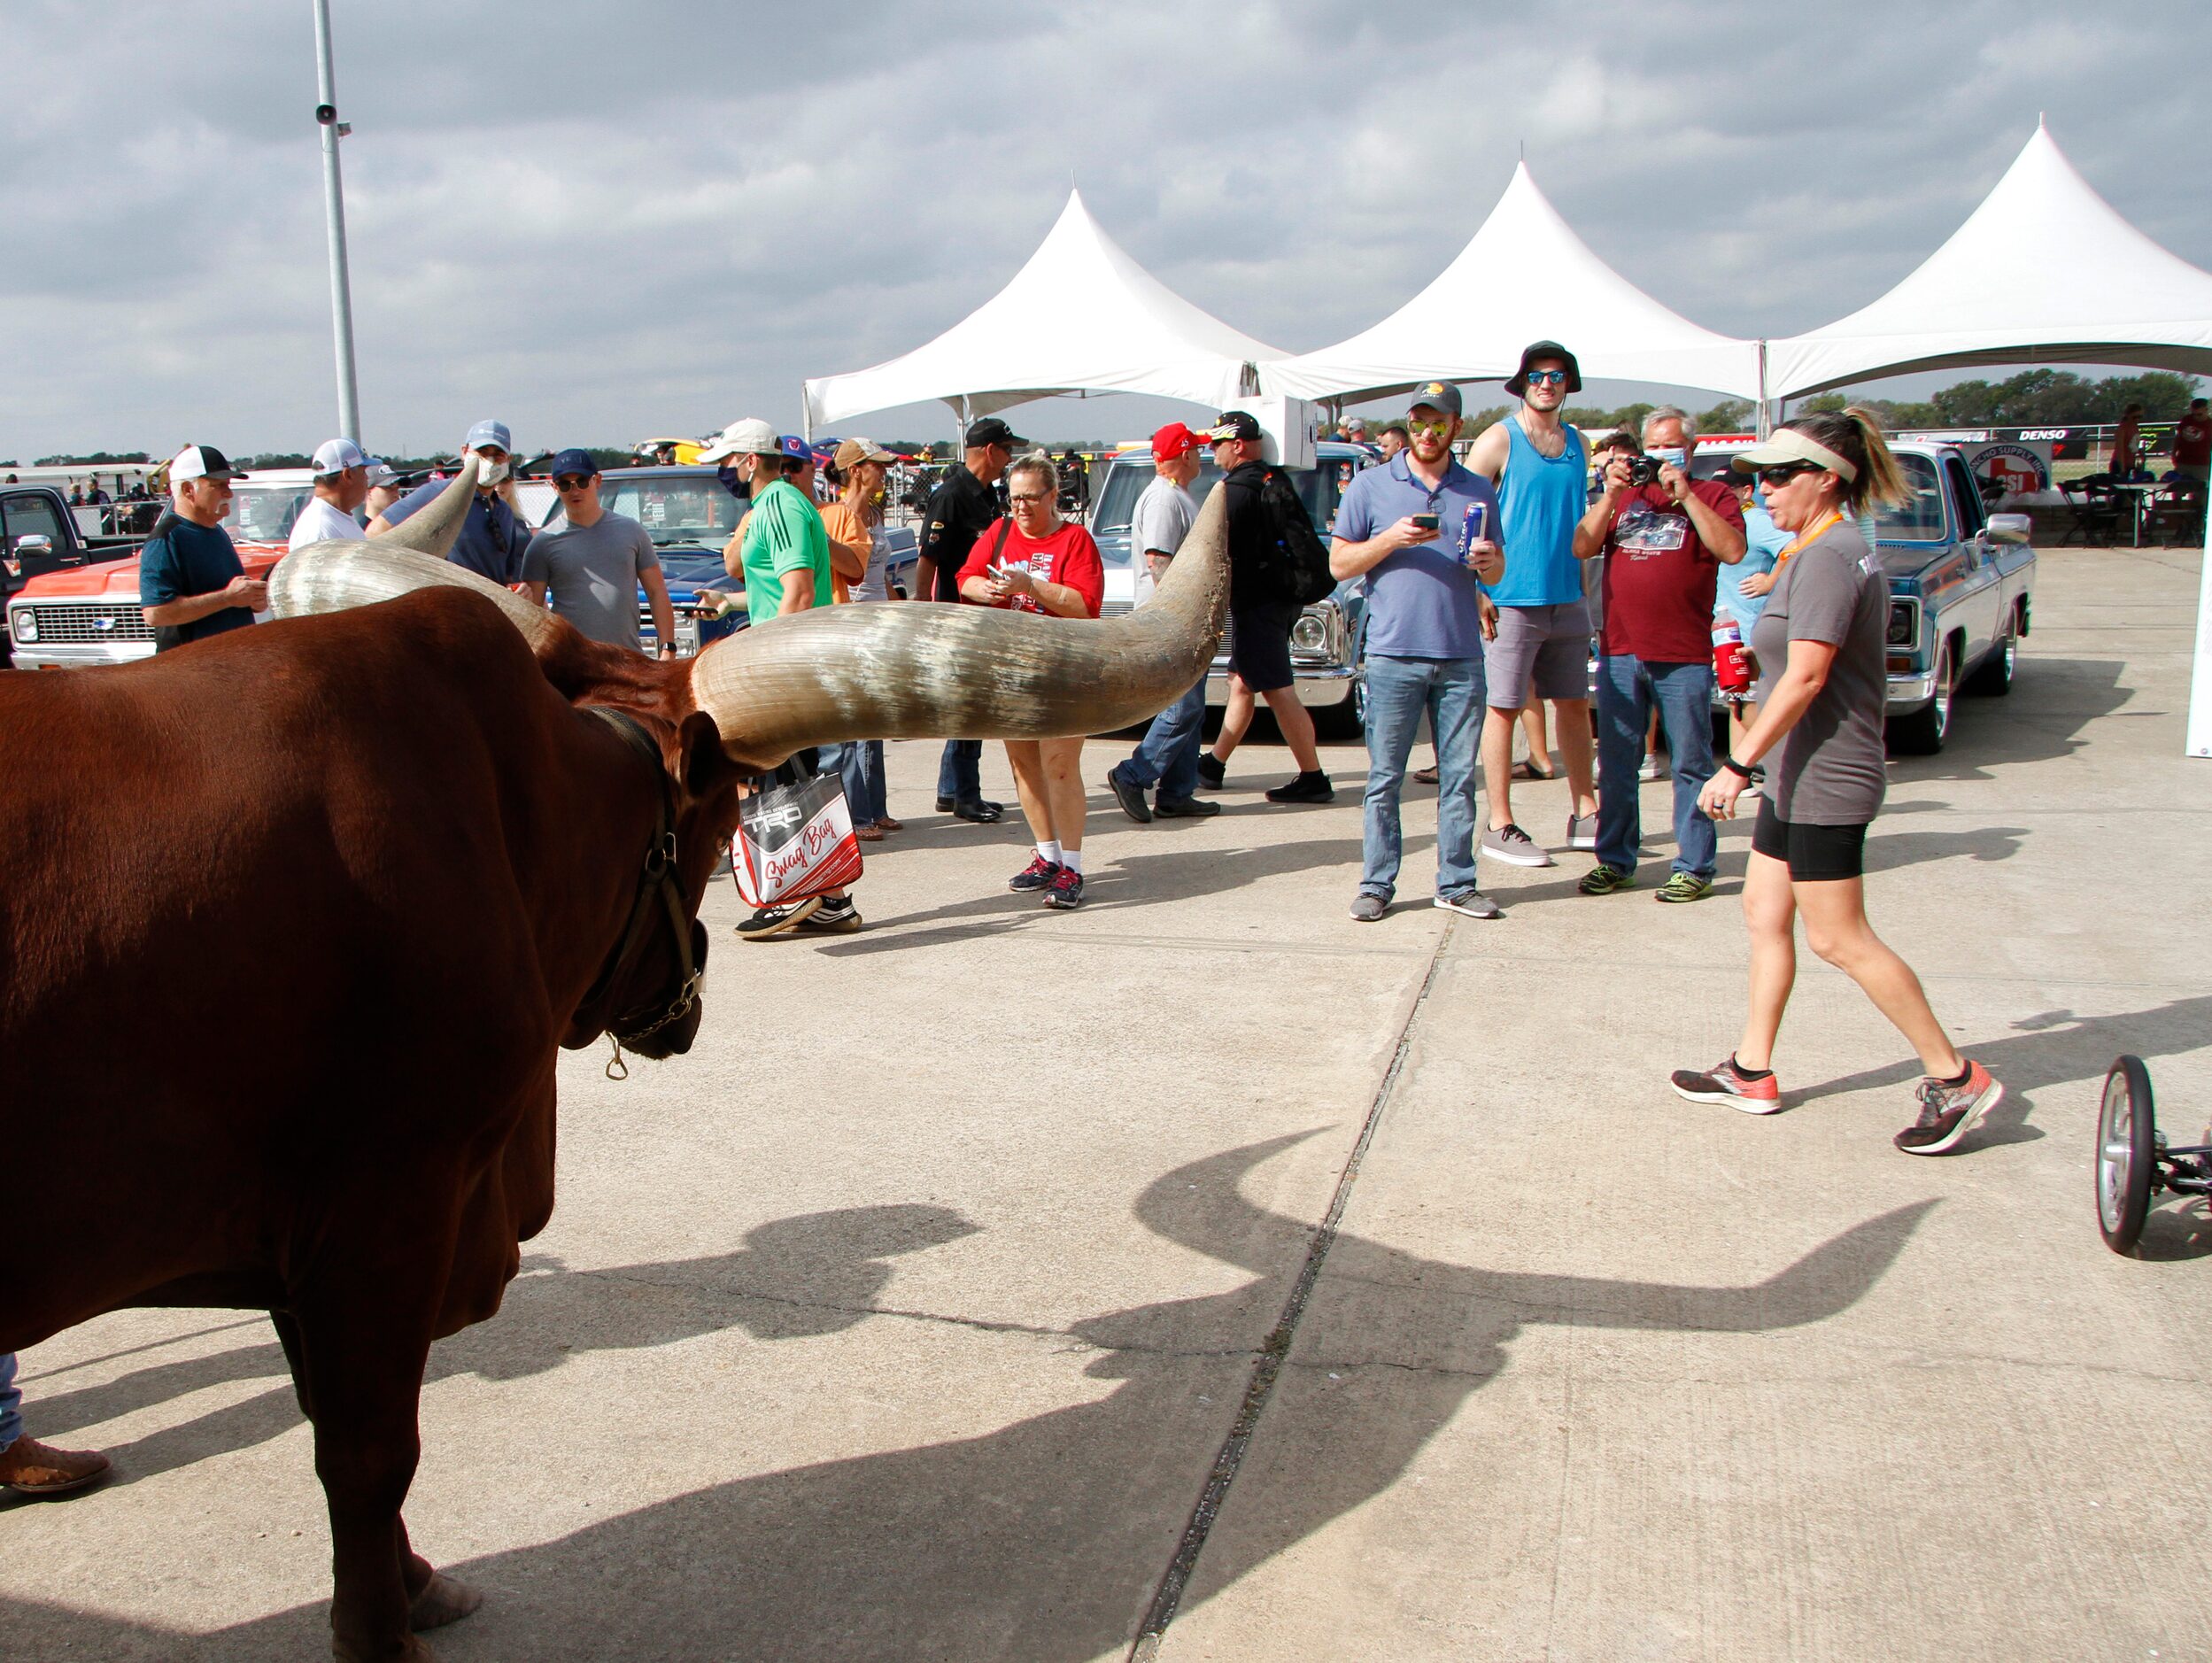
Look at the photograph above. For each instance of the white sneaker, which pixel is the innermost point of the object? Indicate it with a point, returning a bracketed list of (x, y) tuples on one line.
[(1514, 846), (1651, 768)]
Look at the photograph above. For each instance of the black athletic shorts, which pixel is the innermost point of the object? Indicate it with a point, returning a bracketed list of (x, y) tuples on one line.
[(1814, 853), (1259, 644)]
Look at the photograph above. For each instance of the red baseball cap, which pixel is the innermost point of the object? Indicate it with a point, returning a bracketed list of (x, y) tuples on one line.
[(1175, 440)]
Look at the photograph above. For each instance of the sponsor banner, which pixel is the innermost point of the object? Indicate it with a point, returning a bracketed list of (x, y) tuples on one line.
[(2009, 468)]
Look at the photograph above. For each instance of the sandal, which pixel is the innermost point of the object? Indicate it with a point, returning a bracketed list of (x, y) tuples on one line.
[(889, 824), (1525, 769), (870, 833)]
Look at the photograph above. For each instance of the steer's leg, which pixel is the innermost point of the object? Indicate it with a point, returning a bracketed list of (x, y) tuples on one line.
[(363, 1350)]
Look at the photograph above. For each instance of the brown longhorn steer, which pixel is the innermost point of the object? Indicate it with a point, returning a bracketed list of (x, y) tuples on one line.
[(411, 841)]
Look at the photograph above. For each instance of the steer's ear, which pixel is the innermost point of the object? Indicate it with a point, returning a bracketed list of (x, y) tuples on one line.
[(702, 765)]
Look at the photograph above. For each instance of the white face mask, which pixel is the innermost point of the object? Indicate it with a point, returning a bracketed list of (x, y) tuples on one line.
[(489, 472)]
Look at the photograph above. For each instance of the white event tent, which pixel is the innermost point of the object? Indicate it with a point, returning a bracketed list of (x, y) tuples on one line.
[(1135, 335), (1524, 277), (2045, 271)]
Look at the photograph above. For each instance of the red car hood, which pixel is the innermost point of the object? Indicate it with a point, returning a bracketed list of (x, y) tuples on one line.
[(120, 576)]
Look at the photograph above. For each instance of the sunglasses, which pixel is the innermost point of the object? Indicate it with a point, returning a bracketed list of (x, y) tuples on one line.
[(1781, 473), (1411, 426), (1546, 377), (571, 482)]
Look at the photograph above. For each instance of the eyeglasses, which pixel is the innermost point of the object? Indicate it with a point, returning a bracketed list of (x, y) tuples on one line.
[(1781, 473), (1411, 426), (570, 482), (1546, 377), (1030, 496)]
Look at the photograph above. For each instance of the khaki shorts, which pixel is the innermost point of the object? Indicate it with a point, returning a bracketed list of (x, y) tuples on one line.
[(1546, 646)]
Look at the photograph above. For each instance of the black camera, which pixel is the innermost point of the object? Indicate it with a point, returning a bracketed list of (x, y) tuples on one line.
[(1643, 470)]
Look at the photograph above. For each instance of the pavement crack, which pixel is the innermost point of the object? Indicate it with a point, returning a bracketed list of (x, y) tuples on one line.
[(1276, 1349)]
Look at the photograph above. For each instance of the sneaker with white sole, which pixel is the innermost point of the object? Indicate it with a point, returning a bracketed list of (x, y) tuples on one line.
[(1509, 843), (1948, 1111), (1473, 903), (1368, 908), (1582, 833), (774, 921), (835, 916), (1725, 1083)]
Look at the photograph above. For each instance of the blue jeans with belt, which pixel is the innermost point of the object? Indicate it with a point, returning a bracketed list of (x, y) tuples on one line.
[(11, 1401), (1627, 689), (1399, 691), (1168, 754)]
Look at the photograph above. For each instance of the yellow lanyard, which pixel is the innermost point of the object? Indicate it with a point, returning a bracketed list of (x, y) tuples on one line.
[(1812, 532)]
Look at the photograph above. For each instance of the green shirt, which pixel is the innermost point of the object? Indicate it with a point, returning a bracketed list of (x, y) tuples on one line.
[(784, 533)]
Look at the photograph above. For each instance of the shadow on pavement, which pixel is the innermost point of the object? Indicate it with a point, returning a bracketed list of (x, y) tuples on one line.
[(2052, 701), (1041, 1541)]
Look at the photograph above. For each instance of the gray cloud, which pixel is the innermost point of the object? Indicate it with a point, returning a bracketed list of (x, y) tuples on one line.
[(603, 223)]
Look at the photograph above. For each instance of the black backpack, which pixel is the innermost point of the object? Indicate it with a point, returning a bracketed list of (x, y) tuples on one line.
[(1302, 560)]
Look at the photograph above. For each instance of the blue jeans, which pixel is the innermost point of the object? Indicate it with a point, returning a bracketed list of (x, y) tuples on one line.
[(960, 772), (860, 768), (1627, 688), (1450, 691), (10, 1400), (1168, 754)]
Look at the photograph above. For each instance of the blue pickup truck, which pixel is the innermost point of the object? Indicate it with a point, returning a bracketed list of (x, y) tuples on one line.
[(1962, 588)]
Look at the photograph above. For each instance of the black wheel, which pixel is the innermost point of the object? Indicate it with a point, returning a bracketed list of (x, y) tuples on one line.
[(1923, 731), (2127, 1141), (1994, 678)]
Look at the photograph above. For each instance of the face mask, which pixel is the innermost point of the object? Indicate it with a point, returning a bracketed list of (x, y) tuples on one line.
[(489, 472)]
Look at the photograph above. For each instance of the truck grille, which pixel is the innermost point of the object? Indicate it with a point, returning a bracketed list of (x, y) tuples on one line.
[(89, 623)]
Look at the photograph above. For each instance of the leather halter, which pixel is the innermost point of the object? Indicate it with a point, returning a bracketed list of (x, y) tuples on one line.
[(657, 881)]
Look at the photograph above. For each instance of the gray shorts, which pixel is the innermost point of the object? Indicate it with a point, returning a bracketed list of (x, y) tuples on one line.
[(1548, 646)]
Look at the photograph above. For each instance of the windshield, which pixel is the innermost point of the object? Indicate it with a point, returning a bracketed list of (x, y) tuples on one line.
[(1919, 518), (1318, 488), (697, 508), (265, 513)]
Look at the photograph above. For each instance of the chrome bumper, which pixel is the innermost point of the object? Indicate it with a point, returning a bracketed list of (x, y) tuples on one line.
[(1319, 687), (37, 655), (1909, 693)]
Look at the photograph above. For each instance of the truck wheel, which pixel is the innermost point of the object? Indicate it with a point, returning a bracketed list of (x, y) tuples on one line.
[(1923, 731), (1994, 678)]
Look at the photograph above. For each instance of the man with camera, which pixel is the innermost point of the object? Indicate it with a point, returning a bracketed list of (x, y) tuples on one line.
[(1663, 536), (1419, 529)]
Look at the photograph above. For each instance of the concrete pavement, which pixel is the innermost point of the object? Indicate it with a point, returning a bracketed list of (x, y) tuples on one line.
[(907, 1316)]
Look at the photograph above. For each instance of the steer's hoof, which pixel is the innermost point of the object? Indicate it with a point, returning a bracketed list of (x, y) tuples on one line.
[(443, 1601)]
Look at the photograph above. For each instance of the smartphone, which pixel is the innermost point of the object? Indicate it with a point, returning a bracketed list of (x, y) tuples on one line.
[(1425, 521)]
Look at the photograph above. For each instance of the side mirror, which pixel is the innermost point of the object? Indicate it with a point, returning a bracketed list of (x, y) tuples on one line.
[(2010, 528), (34, 543)]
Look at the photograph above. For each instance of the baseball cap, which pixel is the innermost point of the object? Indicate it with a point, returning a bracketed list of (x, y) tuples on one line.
[(852, 453), (203, 461), (1536, 350), (790, 445), (335, 456), (570, 462), (751, 436), (991, 430), (1174, 440), (490, 433), (1233, 424), (1787, 444), (1437, 395), (380, 473)]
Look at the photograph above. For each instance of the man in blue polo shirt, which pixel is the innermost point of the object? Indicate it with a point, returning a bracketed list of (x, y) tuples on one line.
[(190, 583), (1421, 530), (492, 539)]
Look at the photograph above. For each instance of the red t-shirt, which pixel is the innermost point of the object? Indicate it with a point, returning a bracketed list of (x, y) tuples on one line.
[(2192, 440), (1659, 577), (1068, 556)]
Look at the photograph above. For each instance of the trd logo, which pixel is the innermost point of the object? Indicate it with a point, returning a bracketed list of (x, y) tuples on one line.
[(780, 818)]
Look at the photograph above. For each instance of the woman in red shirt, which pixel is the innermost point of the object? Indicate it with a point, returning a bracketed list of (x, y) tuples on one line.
[(1035, 561)]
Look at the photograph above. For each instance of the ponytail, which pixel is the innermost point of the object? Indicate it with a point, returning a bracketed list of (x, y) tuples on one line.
[(1855, 434)]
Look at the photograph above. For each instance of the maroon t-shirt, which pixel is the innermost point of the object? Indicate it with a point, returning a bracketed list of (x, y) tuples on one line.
[(2192, 440), (1659, 577)]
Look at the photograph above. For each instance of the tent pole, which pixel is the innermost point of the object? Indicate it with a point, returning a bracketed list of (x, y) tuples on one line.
[(1762, 421), (2199, 742)]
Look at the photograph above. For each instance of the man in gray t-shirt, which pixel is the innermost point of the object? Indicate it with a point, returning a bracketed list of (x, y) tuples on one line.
[(595, 563)]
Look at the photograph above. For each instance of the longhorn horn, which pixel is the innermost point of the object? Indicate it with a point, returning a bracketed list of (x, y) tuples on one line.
[(332, 576), (924, 672)]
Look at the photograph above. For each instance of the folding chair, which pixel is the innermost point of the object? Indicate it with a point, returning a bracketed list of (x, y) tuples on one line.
[(2095, 510)]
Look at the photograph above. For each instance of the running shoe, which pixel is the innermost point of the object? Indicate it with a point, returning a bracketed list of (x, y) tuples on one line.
[(1473, 903), (1725, 1083), (1514, 846), (770, 920), (1948, 1111), (835, 916), (1368, 908), (1684, 886), (1651, 768), (1035, 875), (1308, 787), (1606, 880), (1064, 893)]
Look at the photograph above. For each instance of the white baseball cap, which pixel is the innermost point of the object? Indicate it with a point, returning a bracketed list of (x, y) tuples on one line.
[(752, 436), (335, 456)]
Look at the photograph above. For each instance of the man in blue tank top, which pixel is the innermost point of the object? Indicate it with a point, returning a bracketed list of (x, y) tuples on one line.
[(1541, 469)]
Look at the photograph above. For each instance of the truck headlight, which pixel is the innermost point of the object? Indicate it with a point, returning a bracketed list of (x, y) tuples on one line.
[(1309, 635), (25, 622), (1904, 624), (686, 637)]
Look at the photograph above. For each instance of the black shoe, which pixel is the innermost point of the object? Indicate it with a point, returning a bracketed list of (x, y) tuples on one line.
[(944, 805), (1064, 893), (835, 916), (1036, 875), (979, 812), (1311, 787), (771, 920), (1211, 770), (1184, 808), (1130, 797)]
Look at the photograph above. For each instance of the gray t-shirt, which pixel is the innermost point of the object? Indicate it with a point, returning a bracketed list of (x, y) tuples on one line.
[(1831, 771), (1161, 520), (591, 573), (872, 585)]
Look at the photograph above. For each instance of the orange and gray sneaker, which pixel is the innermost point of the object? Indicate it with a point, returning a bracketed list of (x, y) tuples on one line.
[(1754, 1092), (32, 1468), (1948, 1109)]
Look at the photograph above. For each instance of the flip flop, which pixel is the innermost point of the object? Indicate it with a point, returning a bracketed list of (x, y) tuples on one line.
[(1525, 770)]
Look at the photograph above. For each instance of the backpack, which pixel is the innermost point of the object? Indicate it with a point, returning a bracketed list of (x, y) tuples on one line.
[(1301, 566)]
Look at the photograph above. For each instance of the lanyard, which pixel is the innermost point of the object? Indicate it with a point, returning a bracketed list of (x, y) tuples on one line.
[(1817, 530)]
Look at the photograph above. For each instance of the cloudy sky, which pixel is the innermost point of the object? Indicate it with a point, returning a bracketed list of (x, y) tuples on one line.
[(607, 222)]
